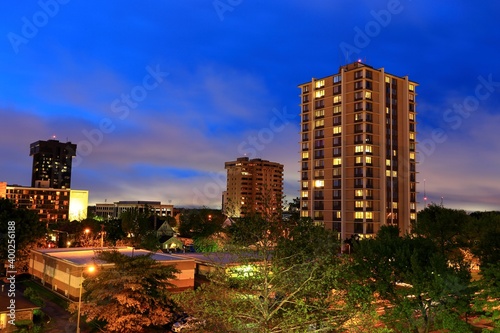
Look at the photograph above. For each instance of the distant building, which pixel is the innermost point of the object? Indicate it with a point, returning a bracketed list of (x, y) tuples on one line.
[(358, 150), (52, 163), (253, 186), (50, 204), (114, 210)]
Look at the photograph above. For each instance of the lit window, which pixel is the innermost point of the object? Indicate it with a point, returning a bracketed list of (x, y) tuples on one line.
[(388, 162), (337, 214), (337, 161), (359, 160), (337, 99), (394, 152), (319, 93), (337, 109), (368, 159), (305, 154), (369, 215), (358, 149), (368, 94), (394, 173), (359, 204), (358, 193), (387, 110), (413, 216), (412, 116), (319, 113), (411, 87), (387, 173), (387, 79), (412, 136), (319, 123), (412, 156), (395, 205), (320, 83), (305, 185), (305, 194), (368, 149), (304, 213), (319, 183), (358, 215), (337, 129)]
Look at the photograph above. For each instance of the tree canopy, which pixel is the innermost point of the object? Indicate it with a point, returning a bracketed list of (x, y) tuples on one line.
[(130, 296)]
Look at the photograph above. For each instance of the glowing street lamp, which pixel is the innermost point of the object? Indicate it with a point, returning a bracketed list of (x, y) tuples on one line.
[(90, 269)]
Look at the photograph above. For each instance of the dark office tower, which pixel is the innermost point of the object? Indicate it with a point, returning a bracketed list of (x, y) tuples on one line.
[(358, 150), (52, 163)]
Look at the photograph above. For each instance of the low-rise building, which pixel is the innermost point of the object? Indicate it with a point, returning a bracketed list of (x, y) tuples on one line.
[(114, 210), (62, 269)]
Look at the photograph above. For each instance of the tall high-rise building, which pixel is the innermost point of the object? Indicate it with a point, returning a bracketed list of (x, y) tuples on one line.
[(253, 186), (358, 150), (52, 163)]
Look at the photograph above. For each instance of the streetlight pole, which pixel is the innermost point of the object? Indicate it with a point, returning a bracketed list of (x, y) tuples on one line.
[(90, 269)]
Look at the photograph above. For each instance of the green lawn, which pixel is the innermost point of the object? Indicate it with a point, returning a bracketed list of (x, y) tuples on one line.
[(46, 294)]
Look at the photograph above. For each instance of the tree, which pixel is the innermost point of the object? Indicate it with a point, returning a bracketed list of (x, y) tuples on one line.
[(28, 233), (130, 296), (289, 278), (420, 287)]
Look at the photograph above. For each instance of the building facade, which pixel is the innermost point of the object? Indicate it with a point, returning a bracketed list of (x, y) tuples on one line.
[(114, 210), (253, 186), (50, 204), (358, 150), (52, 163)]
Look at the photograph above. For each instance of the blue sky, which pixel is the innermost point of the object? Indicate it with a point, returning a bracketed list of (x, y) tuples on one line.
[(159, 94)]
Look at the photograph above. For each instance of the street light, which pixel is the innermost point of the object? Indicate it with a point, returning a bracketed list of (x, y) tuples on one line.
[(90, 269)]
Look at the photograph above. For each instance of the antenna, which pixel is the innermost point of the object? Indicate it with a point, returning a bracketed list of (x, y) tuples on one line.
[(425, 196)]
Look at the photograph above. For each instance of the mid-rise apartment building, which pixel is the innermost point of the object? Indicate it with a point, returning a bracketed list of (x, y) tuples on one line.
[(358, 150), (253, 186)]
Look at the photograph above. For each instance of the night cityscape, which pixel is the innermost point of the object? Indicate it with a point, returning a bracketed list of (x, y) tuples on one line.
[(232, 166)]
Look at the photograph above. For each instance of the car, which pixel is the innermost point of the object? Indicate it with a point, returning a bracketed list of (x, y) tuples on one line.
[(186, 322)]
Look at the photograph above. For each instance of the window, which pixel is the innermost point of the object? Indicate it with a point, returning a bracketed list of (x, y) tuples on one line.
[(305, 127), (387, 79), (305, 99), (319, 144), (358, 182), (369, 215), (337, 120), (337, 194), (337, 141), (358, 215), (337, 99), (305, 145), (368, 94), (358, 193), (305, 108), (337, 183), (368, 149), (319, 173), (305, 89), (337, 129), (358, 95), (358, 149), (358, 172), (305, 155), (358, 106), (411, 116), (337, 161), (319, 183), (358, 74), (319, 104), (305, 136), (336, 89), (319, 93), (411, 87), (305, 117), (358, 117), (319, 163), (337, 109), (319, 133), (358, 84), (337, 172), (359, 204), (305, 184), (320, 83), (368, 160), (337, 151), (359, 160), (358, 138), (337, 78), (319, 113), (305, 194), (412, 156), (319, 123), (319, 153)]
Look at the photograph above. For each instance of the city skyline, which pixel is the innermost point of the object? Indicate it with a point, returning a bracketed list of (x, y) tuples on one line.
[(157, 97)]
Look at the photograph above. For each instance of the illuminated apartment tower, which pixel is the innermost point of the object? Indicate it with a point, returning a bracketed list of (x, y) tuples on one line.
[(253, 186), (358, 150), (52, 163)]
